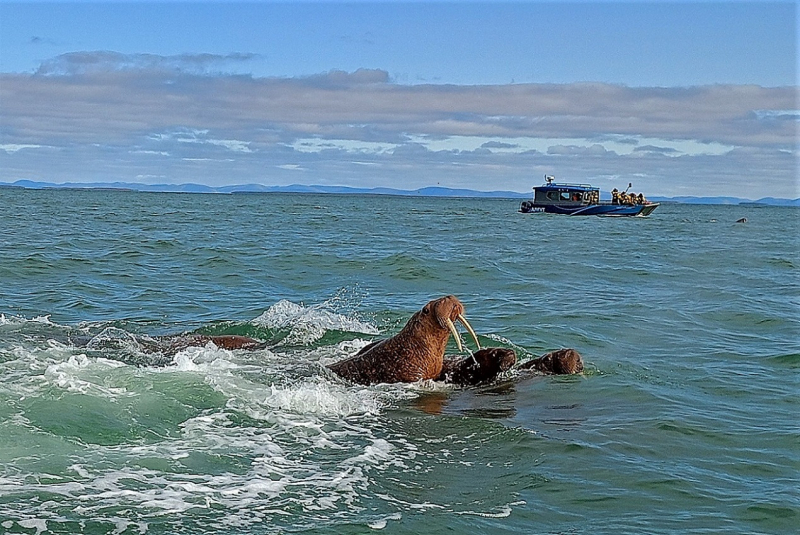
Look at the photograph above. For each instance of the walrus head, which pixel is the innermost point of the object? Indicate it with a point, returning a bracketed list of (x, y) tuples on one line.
[(560, 362), (498, 359), (438, 317)]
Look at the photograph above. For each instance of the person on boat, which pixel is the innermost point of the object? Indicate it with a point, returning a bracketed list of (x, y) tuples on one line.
[(614, 196), (640, 199)]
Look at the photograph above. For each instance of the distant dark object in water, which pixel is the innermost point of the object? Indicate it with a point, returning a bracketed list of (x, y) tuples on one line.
[(560, 362), (742, 220), (482, 367)]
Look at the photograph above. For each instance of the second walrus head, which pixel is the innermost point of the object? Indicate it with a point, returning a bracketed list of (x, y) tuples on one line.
[(560, 362)]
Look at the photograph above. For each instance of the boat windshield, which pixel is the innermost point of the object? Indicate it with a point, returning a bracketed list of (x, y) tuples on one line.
[(564, 195)]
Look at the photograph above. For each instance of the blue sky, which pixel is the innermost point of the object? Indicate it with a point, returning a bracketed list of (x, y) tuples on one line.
[(677, 97)]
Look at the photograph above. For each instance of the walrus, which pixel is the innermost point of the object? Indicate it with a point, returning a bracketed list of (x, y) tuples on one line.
[(483, 366), (559, 362), (173, 344), (416, 353), (170, 345)]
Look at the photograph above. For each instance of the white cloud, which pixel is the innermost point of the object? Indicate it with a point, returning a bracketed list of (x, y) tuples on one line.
[(349, 146), (11, 148), (140, 115)]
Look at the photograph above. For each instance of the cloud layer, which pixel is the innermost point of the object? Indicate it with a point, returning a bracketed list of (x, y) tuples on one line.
[(106, 116)]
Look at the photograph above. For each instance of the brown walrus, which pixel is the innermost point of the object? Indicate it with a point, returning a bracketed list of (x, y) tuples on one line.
[(482, 367), (559, 362), (226, 341), (416, 353)]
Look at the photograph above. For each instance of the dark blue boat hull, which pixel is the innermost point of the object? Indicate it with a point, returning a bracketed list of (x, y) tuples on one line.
[(607, 210)]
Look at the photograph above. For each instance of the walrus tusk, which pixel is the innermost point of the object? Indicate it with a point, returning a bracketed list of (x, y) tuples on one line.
[(453, 330), (466, 324)]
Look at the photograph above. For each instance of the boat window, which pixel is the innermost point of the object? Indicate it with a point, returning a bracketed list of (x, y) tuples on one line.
[(552, 195), (565, 196)]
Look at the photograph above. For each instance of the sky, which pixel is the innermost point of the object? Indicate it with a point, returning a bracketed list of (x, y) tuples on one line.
[(679, 98)]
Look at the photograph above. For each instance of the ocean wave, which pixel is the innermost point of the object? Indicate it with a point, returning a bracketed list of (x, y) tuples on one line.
[(308, 324), (85, 375)]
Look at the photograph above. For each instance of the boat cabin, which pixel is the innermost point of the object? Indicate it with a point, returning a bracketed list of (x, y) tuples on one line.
[(566, 194)]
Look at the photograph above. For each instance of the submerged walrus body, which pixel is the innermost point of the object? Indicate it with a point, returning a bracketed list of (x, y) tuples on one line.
[(173, 344), (169, 346), (483, 366), (416, 353), (560, 362), (486, 365)]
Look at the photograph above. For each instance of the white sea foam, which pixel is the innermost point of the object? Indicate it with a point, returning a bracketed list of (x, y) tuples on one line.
[(504, 512), (115, 336), (281, 476), (206, 359), (321, 397), (308, 324), (38, 524), (20, 320), (383, 522), (85, 375)]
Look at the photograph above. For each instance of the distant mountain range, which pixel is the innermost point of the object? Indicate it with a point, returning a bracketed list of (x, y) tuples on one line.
[(297, 188)]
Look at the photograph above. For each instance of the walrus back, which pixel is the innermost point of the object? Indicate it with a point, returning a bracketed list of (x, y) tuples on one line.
[(391, 361), (365, 367)]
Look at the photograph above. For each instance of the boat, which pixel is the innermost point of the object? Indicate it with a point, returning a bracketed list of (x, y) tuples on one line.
[(583, 199)]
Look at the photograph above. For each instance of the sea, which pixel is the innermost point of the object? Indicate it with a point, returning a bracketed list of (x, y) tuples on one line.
[(685, 420)]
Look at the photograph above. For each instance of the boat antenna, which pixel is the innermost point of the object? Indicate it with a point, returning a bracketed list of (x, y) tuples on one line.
[(629, 187)]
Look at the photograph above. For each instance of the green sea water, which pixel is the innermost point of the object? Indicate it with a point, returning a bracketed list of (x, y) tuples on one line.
[(685, 420)]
